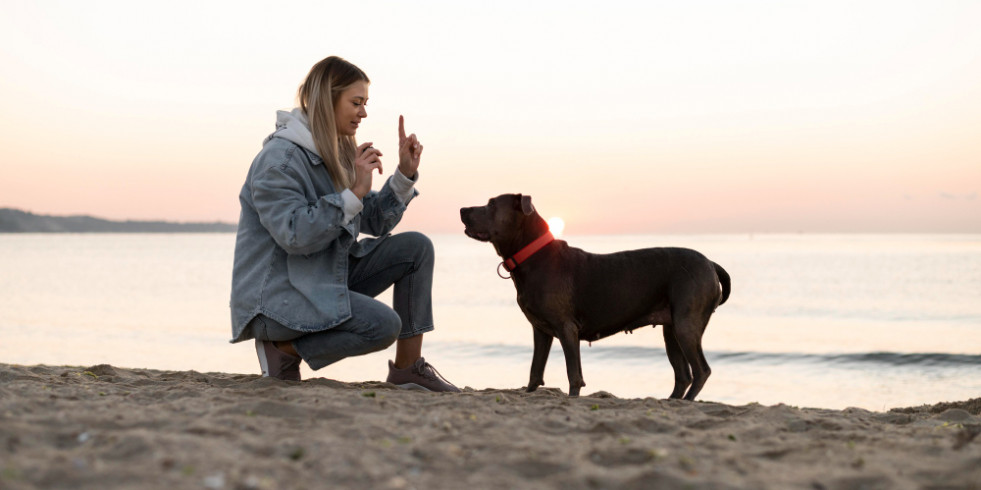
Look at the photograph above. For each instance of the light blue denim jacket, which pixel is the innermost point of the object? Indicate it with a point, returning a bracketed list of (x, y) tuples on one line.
[(292, 249)]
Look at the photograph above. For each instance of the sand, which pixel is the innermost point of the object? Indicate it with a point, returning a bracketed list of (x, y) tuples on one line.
[(109, 427)]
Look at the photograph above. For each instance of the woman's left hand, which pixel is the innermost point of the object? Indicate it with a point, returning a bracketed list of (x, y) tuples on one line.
[(410, 149)]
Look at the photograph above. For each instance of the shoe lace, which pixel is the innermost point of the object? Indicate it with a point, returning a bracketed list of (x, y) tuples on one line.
[(428, 371)]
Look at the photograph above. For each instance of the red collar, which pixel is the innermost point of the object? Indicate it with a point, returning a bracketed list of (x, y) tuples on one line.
[(512, 262)]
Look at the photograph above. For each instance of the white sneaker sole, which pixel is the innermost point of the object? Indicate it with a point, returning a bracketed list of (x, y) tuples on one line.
[(413, 386), (263, 361)]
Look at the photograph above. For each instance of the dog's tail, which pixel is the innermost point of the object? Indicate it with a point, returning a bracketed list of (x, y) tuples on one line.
[(724, 281)]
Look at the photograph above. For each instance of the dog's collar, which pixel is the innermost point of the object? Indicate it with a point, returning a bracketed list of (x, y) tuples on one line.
[(512, 262)]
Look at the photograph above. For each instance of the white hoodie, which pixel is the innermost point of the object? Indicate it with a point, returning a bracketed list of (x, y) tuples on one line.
[(293, 126)]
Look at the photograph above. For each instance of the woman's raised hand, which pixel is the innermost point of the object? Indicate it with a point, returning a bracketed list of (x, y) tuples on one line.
[(367, 161), (410, 149)]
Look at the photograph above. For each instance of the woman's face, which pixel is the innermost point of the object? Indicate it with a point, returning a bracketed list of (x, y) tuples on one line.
[(349, 109)]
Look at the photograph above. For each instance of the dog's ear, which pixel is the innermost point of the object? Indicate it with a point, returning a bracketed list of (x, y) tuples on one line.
[(526, 206)]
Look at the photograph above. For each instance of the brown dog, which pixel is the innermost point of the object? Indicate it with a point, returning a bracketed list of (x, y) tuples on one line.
[(574, 295)]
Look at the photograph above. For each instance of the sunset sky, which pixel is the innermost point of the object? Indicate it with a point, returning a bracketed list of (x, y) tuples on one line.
[(619, 117)]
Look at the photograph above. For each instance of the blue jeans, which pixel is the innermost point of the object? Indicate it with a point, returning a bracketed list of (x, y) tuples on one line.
[(405, 260)]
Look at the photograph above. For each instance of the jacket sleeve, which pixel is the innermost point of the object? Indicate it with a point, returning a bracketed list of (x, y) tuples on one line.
[(299, 226), (383, 210)]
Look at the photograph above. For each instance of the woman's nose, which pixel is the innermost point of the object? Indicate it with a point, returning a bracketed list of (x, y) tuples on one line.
[(362, 113)]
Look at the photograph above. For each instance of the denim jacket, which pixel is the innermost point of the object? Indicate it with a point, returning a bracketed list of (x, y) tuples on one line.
[(292, 248)]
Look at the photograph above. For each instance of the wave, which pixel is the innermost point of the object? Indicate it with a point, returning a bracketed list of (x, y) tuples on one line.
[(933, 359), (632, 355)]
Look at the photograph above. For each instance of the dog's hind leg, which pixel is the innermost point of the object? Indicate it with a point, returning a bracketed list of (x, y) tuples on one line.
[(688, 332), (682, 373), (569, 338), (543, 343)]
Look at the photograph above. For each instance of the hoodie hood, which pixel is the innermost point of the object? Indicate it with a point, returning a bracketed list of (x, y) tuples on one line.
[(293, 126)]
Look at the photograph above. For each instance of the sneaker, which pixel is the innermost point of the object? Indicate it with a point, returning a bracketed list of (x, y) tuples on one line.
[(276, 363), (419, 376)]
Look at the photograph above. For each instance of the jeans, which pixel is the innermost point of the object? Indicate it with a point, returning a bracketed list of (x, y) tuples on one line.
[(405, 260)]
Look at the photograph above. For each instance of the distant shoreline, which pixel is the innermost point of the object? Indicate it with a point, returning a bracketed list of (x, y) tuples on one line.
[(17, 221)]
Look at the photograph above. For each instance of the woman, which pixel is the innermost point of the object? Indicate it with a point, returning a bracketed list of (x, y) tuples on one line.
[(303, 284)]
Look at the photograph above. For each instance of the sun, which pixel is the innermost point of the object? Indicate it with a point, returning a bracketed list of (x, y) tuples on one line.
[(556, 225)]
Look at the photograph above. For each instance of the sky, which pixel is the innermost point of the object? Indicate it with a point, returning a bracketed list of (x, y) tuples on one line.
[(619, 117)]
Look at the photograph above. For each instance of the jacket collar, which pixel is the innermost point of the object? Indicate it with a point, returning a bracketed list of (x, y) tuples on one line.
[(293, 126)]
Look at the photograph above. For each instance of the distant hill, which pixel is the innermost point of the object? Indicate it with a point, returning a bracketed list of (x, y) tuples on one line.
[(17, 221)]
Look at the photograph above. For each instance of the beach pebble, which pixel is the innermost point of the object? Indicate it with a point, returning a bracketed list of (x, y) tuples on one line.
[(397, 482), (102, 370), (954, 415), (214, 481)]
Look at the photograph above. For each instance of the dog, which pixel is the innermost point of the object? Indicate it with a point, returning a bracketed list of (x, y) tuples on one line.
[(573, 295)]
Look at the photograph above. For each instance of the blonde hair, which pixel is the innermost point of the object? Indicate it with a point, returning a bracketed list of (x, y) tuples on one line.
[(317, 96)]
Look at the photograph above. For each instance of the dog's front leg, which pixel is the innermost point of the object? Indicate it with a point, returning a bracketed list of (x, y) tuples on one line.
[(543, 344), (569, 338)]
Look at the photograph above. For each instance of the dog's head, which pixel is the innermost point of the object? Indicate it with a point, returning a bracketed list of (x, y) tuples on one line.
[(506, 220)]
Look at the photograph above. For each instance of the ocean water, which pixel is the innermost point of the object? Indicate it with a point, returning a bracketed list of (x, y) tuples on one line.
[(833, 321)]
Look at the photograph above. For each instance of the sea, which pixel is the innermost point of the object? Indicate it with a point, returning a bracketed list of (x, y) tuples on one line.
[(814, 320)]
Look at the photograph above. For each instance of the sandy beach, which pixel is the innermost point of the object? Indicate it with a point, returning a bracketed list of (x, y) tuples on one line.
[(110, 427)]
